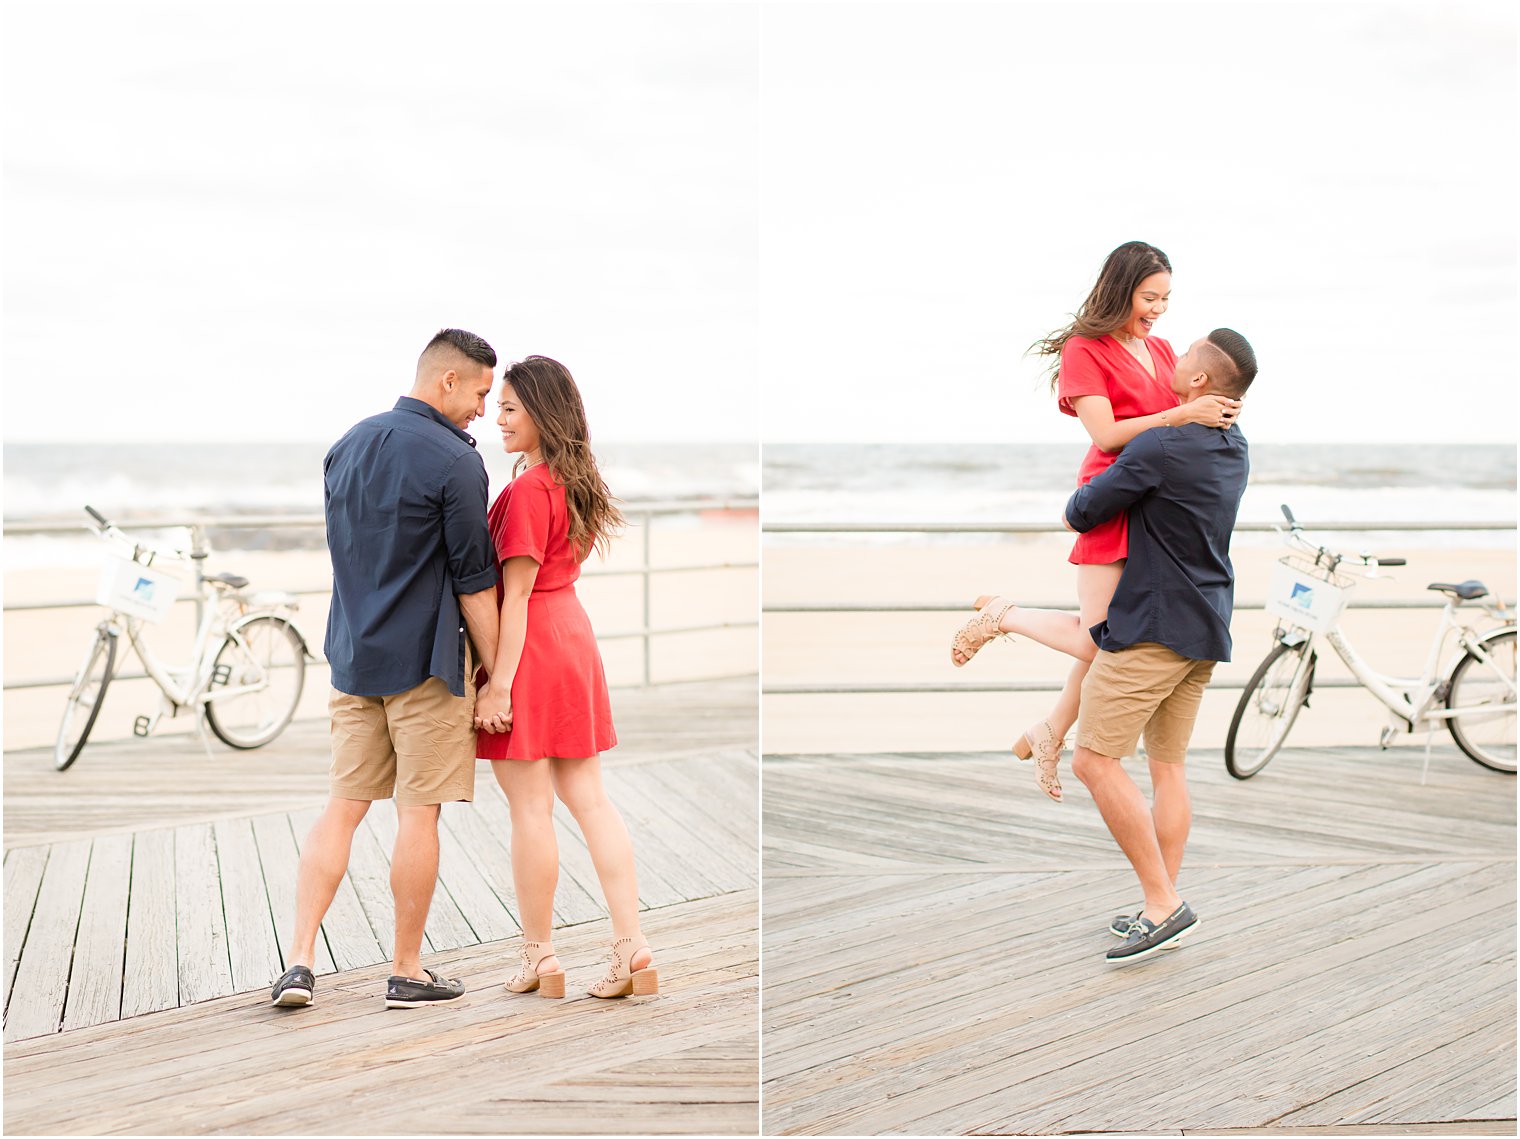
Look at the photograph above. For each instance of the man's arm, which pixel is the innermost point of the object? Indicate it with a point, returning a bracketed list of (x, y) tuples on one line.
[(1134, 474), (479, 611)]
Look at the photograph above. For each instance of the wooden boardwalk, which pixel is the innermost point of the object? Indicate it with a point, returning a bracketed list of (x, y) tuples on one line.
[(156, 908), (934, 932)]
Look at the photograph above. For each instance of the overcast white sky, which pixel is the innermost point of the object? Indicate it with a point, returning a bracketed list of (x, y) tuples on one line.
[(244, 220), (840, 222), (941, 183)]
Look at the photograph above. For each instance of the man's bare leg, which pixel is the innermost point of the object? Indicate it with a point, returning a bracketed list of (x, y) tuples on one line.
[(324, 861), (1171, 813), (414, 873), (1128, 818)]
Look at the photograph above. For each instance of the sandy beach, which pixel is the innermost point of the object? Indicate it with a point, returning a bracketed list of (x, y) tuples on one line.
[(909, 648), (51, 643)]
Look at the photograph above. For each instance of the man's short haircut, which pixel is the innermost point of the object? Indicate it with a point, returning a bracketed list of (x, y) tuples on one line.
[(456, 340), (1230, 362)]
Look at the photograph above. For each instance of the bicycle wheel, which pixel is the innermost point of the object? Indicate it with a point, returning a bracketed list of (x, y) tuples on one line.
[(85, 698), (265, 670), (1269, 705), (1485, 692)]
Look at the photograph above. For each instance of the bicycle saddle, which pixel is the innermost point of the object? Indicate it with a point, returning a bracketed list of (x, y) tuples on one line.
[(1466, 590), (235, 581)]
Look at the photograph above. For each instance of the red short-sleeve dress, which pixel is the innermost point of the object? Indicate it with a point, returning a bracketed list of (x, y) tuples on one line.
[(560, 705), (1105, 367)]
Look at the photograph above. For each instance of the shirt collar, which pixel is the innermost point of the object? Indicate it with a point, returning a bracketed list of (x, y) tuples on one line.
[(408, 403)]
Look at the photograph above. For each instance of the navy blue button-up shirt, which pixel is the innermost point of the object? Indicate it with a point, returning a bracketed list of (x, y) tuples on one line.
[(405, 496), (1182, 488)]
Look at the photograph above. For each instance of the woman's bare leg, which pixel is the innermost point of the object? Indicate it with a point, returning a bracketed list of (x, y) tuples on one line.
[(1095, 589), (578, 783), (529, 787)]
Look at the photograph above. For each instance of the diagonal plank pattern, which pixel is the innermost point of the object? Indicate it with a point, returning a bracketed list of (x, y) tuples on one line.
[(934, 932), (213, 902), (682, 1062)]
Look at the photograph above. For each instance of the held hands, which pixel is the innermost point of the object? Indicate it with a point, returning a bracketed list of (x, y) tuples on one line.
[(493, 710), (1210, 410)]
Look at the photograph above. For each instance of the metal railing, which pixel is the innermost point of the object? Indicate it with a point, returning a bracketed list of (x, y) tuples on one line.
[(640, 515), (938, 687)]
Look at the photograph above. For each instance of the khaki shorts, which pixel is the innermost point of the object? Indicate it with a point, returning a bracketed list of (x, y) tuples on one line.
[(418, 744), (1145, 688)]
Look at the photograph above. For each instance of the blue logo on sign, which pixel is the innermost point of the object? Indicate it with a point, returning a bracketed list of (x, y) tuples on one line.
[(1303, 596), (143, 590)]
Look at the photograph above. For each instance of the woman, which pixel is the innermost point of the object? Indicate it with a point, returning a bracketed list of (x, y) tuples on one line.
[(1115, 376), (544, 716)]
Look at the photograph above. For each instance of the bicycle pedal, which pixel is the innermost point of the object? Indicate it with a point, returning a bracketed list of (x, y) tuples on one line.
[(221, 675), (142, 726)]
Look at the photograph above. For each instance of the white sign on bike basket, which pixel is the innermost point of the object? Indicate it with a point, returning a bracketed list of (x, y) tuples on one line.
[(133, 588), (1300, 596)]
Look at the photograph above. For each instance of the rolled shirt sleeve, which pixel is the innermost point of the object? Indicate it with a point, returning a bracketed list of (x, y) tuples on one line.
[(466, 534), (1135, 473)]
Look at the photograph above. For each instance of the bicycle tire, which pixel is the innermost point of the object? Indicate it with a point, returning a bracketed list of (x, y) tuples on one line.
[(255, 652), (1270, 704), (1496, 756), (85, 700)]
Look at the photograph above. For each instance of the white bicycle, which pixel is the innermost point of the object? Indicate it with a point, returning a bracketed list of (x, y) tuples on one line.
[(1473, 695), (247, 666)]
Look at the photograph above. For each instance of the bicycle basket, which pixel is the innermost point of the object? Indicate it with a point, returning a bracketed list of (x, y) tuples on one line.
[(1306, 594), (137, 590)]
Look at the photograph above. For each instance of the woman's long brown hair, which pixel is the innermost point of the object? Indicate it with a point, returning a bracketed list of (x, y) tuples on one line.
[(549, 395), (1109, 304)]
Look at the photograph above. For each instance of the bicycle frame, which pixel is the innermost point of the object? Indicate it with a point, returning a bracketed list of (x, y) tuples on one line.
[(192, 684), (1414, 700)]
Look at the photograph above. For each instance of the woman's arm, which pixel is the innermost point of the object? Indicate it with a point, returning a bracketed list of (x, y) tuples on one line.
[(1110, 434), (517, 577)]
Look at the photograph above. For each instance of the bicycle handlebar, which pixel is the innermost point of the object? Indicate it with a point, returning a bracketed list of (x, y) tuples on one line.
[(1325, 555), (109, 529)]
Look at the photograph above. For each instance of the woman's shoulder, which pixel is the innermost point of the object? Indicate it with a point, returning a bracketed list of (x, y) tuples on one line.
[(1084, 345), (1154, 341)]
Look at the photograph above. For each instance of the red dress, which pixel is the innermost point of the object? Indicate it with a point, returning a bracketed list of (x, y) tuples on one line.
[(560, 705), (1105, 367)]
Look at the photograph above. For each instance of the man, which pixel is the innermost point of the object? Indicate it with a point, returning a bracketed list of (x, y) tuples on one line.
[(1168, 623), (411, 556)]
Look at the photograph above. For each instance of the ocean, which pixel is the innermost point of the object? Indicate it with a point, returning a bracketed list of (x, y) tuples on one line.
[(122, 481), (1031, 482)]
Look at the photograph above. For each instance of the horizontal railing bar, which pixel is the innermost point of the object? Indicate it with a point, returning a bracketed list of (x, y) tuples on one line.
[(636, 571), (661, 632), (1055, 528), (1007, 686), (1063, 606), (654, 508), (691, 567), (64, 681), (91, 603)]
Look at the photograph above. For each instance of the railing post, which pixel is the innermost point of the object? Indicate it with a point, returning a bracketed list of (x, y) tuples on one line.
[(647, 574), (198, 555)]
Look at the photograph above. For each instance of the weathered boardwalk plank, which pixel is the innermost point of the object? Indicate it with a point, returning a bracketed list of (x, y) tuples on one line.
[(99, 947), (151, 981), (935, 931), (205, 969), (23, 877), (251, 943), (42, 976)]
